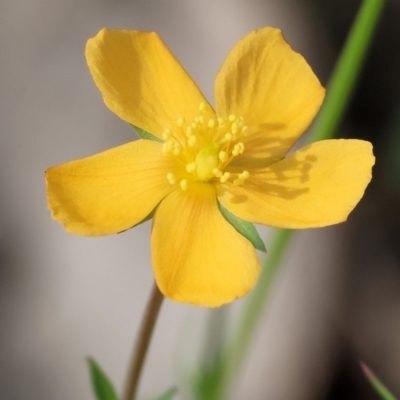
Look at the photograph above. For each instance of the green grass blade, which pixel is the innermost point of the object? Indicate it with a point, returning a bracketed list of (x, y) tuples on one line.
[(346, 72), (380, 388)]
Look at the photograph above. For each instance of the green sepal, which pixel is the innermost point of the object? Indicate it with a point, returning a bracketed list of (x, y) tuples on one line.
[(168, 394), (102, 387), (245, 228), (145, 135)]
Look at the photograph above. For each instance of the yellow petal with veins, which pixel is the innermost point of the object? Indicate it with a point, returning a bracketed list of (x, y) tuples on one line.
[(141, 81), (111, 191), (316, 186), (198, 257), (273, 88)]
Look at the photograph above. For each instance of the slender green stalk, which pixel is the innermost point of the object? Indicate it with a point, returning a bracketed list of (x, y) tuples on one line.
[(339, 91), (379, 387), (142, 342), (344, 77)]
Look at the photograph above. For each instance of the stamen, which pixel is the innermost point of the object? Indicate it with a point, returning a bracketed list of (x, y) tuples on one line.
[(177, 150), (188, 131), (191, 167), (192, 141), (217, 172), (241, 178), (167, 134), (245, 174), (228, 137), (245, 131), (232, 117), (209, 144), (223, 156), (238, 148), (225, 176), (171, 178), (184, 184)]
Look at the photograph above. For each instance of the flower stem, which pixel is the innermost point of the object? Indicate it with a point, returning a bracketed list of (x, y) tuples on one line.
[(142, 342)]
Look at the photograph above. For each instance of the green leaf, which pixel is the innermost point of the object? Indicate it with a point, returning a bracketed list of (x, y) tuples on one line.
[(245, 228), (168, 394), (145, 135), (380, 388), (102, 386)]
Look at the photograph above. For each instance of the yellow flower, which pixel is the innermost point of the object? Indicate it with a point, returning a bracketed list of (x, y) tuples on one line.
[(266, 96)]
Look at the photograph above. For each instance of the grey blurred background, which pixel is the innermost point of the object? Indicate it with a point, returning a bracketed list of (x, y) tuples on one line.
[(63, 298)]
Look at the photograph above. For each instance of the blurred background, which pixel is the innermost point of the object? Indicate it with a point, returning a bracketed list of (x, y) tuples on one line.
[(63, 298)]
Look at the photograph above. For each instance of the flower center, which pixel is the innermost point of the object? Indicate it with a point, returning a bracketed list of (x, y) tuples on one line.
[(205, 147)]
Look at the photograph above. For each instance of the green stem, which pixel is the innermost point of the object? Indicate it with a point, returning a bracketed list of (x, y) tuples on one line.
[(142, 342), (380, 388), (347, 69)]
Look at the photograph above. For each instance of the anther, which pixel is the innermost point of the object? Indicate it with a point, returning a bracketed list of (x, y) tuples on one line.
[(228, 136), (211, 123), (238, 148), (223, 156), (192, 141), (167, 134), (184, 184), (191, 167), (181, 121), (171, 178), (245, 131), (221, 122), (202, 106), (245, 174), (177, 150), (188, 131), (224, 178), (232, 117), (217, 172)]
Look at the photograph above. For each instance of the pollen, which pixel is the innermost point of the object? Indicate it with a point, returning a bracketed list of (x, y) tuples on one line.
[(204, 147)]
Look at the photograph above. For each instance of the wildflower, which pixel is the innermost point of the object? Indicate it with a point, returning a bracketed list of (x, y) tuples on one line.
[(235, 155)]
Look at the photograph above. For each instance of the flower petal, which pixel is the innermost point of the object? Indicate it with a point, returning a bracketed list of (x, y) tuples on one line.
[(111, 191), (140, 80), (273, 88), (198, 257), (318, 185)]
